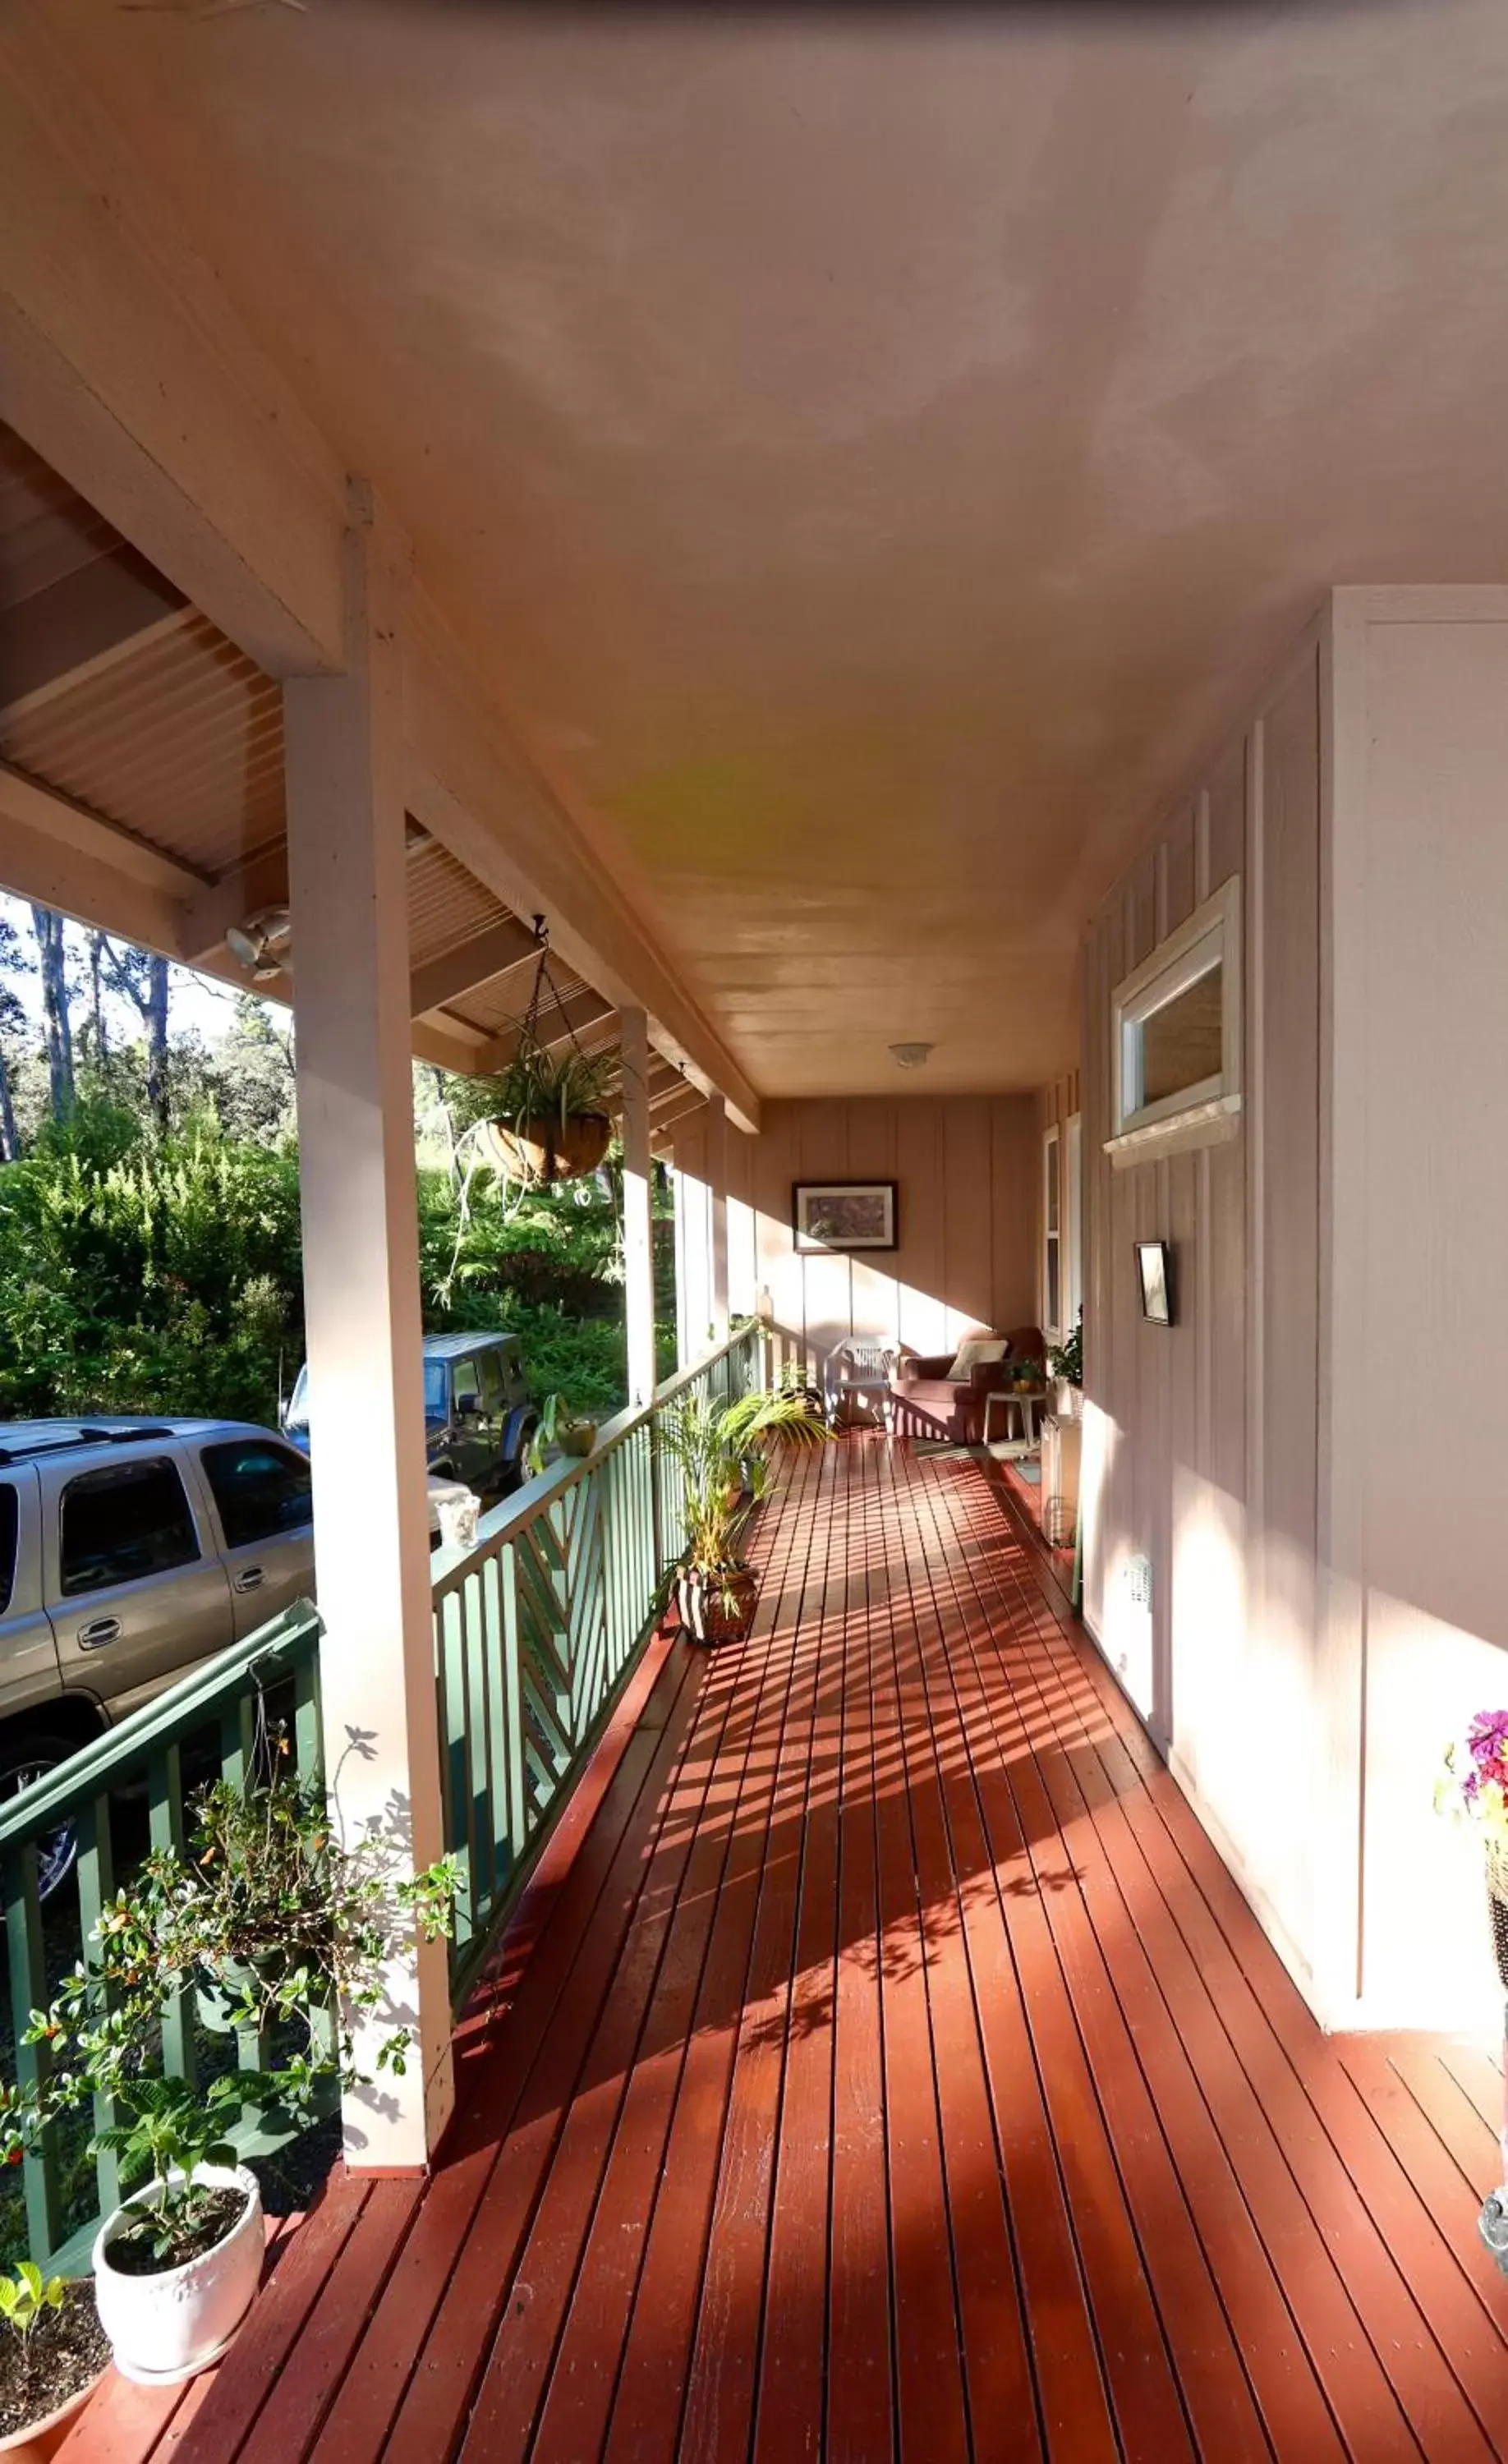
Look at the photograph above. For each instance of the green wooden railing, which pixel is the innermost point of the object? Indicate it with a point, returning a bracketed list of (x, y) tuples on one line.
[(120, 1795), (537, 1629)]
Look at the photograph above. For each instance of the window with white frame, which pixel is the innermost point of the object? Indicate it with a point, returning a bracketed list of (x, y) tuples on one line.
[(1175, 1026), (1051, 1237)]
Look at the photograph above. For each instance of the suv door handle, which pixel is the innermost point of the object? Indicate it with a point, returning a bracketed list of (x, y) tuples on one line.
[(251, 1578), (100, 1631)]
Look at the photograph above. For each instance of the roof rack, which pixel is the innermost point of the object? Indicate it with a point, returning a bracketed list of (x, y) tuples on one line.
[(81, 1437)]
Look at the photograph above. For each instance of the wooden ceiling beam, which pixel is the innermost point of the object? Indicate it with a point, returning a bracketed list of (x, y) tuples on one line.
[(81, 625), (496, 951)]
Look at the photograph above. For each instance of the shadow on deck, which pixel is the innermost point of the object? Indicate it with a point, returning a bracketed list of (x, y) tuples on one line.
[(894, 2070)]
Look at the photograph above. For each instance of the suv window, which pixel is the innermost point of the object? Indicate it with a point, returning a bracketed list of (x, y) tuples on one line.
[(463, 1383), (130, 1520), (490, 1365), (9, 1534), (260, 1489)]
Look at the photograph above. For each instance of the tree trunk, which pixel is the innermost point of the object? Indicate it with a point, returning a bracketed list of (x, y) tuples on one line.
[(56, 1029), (9, 1141), (96, 1001), (155, 1017)]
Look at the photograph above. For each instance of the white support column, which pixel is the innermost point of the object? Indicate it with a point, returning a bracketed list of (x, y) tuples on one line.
[(356, 1139), (638, 1211), (717, 1186)]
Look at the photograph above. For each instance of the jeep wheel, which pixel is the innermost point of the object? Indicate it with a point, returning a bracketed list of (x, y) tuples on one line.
[(23, 1759)]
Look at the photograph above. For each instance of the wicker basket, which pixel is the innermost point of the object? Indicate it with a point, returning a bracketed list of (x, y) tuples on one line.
[(1498, 1904), (538, 1154)]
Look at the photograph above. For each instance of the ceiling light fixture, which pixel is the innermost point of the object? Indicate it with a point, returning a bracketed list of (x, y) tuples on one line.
[(909, 1056), (261, 943)]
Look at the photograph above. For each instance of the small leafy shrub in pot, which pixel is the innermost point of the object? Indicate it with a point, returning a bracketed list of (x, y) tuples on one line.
[(271, 1917), (52, 2352)]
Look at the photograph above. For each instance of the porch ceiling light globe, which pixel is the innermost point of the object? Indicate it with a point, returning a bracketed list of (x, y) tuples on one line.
[(261, 943), (909, 1056)]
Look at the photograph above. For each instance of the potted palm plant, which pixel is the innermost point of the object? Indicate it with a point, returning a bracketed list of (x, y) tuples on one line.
[(721, 1454), (269, 1919)]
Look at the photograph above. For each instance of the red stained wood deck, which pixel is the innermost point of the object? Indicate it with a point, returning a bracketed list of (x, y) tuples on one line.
[(893, 2070)]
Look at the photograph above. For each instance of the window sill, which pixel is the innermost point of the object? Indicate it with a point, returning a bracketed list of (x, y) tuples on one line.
[(1203, 1125)]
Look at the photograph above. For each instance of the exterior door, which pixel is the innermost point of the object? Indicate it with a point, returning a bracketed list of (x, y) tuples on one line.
[(136, 1587), (28, 1653), (263, 1501), (471, 1451)]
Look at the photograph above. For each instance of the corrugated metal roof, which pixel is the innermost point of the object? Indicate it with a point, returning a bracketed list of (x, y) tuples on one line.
[(177, 738), (446, 903), (180, 740)]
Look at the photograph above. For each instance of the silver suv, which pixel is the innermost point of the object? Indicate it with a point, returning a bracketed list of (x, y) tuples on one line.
[(129, 1549)]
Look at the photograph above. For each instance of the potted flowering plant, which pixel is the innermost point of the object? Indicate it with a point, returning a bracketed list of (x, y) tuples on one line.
[(269, 1919), (1474, 1788)]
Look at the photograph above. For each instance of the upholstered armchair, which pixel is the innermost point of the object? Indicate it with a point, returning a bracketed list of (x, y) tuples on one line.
[(930, 1398)]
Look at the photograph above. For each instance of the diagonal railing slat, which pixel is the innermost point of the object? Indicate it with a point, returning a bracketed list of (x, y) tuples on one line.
[(535, 1630), (556, 1601)]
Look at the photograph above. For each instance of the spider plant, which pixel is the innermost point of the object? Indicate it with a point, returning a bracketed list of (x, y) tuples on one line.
[(541, 1086)]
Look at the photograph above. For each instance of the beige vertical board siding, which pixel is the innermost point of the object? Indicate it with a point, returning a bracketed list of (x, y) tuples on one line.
[(1418, 1429), (967, 1170), (1316, 1456)]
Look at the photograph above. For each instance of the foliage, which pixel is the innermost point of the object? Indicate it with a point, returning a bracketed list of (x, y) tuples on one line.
[(561, 1432), (1473, 1786), (273, 1914), (1066, 1359), (140, 1275), (25, 2295), (721, 1454), (541, 1084)]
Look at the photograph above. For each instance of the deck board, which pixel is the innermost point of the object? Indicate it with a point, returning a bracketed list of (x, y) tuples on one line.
[(892, 2069)]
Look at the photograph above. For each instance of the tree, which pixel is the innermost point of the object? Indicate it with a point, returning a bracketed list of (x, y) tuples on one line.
[(251, 1076), (142, 975), (57, 1028), (13, 961)]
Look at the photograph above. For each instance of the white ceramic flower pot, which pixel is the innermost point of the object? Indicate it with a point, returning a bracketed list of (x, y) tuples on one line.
[(164, 2329)]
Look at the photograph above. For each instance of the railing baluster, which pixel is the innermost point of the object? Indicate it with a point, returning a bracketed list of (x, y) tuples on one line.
[(514, 1702), (165, 1784), (96, 1870), (23, 1928)]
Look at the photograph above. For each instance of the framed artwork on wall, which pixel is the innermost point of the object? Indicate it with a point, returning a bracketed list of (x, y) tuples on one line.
[(840, 1216)]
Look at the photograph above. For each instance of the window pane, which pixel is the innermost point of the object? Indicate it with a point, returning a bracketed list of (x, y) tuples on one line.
[(491, 1366), (10, 1529), (1051, 1173), (437, 1392), (1053, 1319), (465, 1379), (260, 1489), (118, 1525), (1181, 1042)]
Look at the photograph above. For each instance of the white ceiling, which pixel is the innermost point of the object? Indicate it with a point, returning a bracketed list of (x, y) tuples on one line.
[(869, 457)]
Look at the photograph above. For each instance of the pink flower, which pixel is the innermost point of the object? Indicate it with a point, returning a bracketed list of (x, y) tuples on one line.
[(1488, 1737)]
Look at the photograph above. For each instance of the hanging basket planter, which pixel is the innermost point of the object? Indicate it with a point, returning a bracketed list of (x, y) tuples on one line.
[(537, 1152)]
